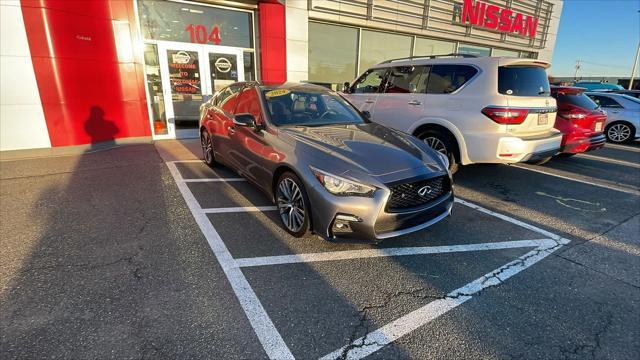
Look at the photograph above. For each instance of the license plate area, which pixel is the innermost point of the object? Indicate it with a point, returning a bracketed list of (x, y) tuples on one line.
[(543, 119)]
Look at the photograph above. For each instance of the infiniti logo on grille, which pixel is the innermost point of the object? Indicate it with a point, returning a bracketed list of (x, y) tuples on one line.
[(424, 191)]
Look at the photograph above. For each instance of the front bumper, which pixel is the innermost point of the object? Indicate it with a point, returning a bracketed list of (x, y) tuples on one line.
[(373, 223)]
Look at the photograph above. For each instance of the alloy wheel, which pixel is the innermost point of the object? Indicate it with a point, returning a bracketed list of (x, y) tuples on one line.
[(619, 133), (291, 205), (436, 144), (207, 147)]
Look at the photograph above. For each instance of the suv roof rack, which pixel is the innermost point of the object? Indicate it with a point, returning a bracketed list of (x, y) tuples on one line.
[(431, 57)]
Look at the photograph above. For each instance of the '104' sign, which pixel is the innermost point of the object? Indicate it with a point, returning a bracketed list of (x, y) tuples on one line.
[(201, 35), (493, 17)]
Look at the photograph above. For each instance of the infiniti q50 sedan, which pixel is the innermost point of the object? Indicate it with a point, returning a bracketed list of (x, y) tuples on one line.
[(329, 169)]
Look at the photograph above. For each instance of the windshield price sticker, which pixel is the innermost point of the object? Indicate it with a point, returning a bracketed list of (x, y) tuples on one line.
[(277, 92)]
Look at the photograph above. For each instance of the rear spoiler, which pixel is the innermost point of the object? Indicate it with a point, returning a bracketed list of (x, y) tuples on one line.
[(523, 62)]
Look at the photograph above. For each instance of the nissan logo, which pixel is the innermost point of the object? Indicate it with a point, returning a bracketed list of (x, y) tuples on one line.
[(223, 65), (424, 191)]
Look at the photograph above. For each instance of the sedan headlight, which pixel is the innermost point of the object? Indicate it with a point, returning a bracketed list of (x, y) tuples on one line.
[(444, 158), (341, 186)]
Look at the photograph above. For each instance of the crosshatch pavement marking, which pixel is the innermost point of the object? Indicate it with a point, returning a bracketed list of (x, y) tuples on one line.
[(270, 338)]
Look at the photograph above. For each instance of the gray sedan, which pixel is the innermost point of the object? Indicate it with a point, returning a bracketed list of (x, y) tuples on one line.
[(326, 166), (623, 115)]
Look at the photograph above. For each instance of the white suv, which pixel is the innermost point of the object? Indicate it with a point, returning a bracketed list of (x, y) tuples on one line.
[(472, 109)]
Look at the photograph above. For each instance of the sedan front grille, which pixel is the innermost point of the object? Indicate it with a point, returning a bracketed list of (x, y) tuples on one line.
[(415, 194)]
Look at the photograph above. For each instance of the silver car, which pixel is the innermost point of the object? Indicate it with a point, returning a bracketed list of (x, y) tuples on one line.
[(326, 166), (623, 115)]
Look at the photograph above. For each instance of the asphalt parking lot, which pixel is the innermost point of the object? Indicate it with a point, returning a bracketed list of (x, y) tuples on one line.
[(172, 259)]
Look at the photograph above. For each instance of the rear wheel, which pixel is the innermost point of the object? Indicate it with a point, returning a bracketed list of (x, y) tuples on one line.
[(540, 161), (207, 148), (566, 155), (619, 132), (293, 205), (442, 143)]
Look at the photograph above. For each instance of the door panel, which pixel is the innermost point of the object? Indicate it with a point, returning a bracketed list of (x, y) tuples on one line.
[(401, 105), (365, 90)]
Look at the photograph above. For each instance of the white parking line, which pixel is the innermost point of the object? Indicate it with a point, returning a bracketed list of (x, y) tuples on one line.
[(270, 338), (185, 161), (404, 251), (608, 160), (213, 180), (622, 147), (267, 333), (222, 210), (628, 191), (394, 330)]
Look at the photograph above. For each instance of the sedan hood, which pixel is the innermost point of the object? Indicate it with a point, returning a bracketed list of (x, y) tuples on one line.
[(370, 148)]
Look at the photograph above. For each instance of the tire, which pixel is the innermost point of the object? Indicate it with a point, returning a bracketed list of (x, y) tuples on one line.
[(566, 155), (206, 143), (442, 143), (540, 161), (293, 204), (620, 132)]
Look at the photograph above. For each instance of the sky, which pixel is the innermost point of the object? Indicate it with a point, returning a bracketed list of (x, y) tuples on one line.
[(604, 34)]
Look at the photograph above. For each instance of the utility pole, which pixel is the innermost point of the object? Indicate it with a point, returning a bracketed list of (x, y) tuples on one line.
[(633, 69), (575, 75)]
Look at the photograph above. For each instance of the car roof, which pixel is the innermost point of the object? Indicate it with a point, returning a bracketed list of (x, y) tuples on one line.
[(479, 61), (574, 89), (304, 87)]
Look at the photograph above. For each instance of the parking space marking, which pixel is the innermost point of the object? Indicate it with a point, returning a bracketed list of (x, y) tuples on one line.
[(222, 210), (628, 191), (622, 147), (608, 160), (213, 180), (394, 330), (403, 251), (266, 331)]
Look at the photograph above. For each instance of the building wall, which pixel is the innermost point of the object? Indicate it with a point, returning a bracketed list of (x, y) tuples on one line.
[(22, 122), (297, 40)]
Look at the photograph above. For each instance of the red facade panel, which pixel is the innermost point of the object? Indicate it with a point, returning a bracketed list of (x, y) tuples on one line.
[(273, 42), (91, 88)]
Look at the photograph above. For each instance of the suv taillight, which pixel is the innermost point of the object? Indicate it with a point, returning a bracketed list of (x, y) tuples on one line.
[(573, 113), (506, 116)]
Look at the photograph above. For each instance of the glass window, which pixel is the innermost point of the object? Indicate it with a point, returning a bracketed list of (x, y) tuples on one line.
[(184, 22), (445, 79), (332, 53), (309, 108), (425, 47), (224, 69), (249, 103), (185, 82), (605, 101), (502, 52), (227, 100), (580, 100), (523, 81), (154, 86), (404, 79), (369, 82), (378, 46), (474, 50), (249, 66)]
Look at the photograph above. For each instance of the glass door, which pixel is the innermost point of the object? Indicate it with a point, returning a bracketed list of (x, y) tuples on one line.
[(191, 73)]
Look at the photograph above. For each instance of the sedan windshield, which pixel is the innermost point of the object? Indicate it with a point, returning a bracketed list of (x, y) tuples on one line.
[(309, 108)]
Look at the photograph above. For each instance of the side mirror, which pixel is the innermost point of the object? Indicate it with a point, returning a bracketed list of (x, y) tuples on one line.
[(346, 87), (366, 114), (246, 120)]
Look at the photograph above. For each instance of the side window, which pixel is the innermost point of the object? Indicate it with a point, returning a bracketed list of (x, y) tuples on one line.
[(607, 102), (370, 82), (228, 101), (249, 103), (445, 79), (404, 79)]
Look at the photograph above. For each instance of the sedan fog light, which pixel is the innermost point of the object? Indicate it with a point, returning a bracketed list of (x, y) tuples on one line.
[(342, 223)]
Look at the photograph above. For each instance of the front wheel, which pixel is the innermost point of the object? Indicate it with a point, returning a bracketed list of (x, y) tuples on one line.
[(293, 205), (619, 132), (443, 144)]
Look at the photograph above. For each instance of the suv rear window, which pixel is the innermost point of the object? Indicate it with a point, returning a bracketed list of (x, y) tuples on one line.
[(580, 100), (523, 81)]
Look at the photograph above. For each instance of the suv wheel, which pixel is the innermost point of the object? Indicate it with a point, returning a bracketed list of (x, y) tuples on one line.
[(619, 132), (441, 143), (293, 205)]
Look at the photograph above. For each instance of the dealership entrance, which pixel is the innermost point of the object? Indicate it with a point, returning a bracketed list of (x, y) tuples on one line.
[(191, 51)]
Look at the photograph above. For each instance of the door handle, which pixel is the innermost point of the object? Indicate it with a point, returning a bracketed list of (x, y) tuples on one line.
[(232, 130), (414, 102), (369, 101)]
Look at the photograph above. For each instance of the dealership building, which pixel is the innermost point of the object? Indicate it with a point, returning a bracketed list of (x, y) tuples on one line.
[(77, 73)]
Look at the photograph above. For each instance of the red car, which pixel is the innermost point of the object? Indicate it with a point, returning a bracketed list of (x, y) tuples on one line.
[(580, 120)]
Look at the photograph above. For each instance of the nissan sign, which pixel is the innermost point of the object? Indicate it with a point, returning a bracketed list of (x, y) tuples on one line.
[(492, 17)]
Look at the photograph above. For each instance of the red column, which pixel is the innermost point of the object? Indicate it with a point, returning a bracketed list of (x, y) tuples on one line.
[(91, 88), (273, 42)]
